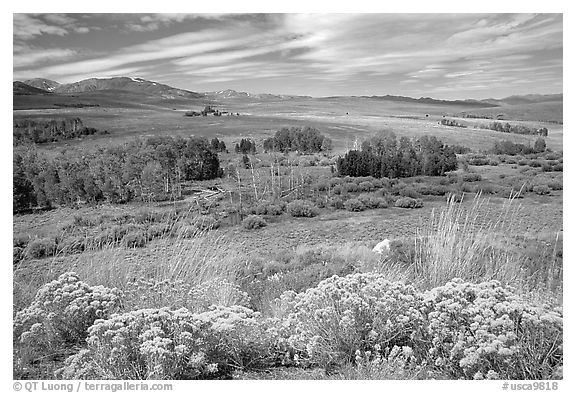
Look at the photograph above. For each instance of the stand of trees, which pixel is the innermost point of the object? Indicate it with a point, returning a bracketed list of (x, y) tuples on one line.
[(513, 149), (145, 169), (303, 140), (27, 131), (452, 123), (515, 129), (218, 145), (246, 146), (385, 156)]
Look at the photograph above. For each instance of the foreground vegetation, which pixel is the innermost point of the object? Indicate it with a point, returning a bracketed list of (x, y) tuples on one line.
[(165, 287), (203, 311)]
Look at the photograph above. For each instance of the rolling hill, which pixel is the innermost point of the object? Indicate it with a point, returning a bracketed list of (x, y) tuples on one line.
[(41, 83), (21, 88), (128, 84)]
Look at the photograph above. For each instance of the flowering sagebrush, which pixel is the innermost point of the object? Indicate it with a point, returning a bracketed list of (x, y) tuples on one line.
[(345, 314), (151, 293), (485, 331), (173, 344), (62, 311)]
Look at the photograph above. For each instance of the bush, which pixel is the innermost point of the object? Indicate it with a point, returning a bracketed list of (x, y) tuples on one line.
[(431, 189), (253, 222), (72, 245), (20, 240), (206, 223), (350, 187), (40, 248), (478, 160), (471, 177), (409, 191), (541, 189), (269, 209), (134, 239), (345, 314), (366, 186), (62, 311), (373, 202), (354, 205), (408, 203), (167, 344), (336, 203), (483, 330), (300, 208)]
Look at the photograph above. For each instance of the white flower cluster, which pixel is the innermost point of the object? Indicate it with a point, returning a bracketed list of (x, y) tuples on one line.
[(173, 344), (486, 331), (62, 311)]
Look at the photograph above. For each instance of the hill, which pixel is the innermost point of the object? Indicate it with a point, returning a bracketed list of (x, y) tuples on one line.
[(127, 84), (41, 83), (525, 99), (233, 94), (21, 88)]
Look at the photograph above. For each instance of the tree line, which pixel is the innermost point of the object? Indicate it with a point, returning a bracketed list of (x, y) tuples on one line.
[(386, 156), (303, 140), (515, 129), (149, 169), (512, 149), (27, 131)]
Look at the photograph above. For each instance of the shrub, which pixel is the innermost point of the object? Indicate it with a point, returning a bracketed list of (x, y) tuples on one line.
[(134, 239), (62, 311), (300, 208), (409, 191), (253, 222), (408, 203), (267, 208), (555, 185), (354, 205), (478, 160), (336, 203), (366, 186), (373, 202), (72, 245), (20, 240), (471, 177), (350, 187), (541, 189), (535, 163), (432, 189), (345, 314), (485, 331), (558, 168), (335, 181), (40, 248), (167, 344), (206, 223)]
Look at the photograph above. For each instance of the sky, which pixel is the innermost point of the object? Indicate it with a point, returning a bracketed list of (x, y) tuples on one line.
[(446, 56)]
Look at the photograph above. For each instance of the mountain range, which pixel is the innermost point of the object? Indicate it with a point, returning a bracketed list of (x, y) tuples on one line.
[(127, 85)]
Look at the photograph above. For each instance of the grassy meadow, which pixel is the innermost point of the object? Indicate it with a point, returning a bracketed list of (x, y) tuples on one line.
[(268, 271)]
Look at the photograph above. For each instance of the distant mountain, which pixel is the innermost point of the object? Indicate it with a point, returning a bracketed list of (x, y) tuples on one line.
[(128, 84), (525, 99), (433, 101), (21, 88), (231, 94), (41, 83)]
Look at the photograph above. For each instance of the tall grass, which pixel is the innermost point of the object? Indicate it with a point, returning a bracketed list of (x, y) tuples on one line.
[(169, 271), (477, 243)]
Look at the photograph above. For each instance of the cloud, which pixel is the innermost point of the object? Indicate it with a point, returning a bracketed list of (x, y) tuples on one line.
[(464, 51), (27, 27), (26, 58)]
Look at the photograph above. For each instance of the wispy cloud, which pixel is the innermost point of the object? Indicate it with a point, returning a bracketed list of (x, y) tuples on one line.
[(353, 52)]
